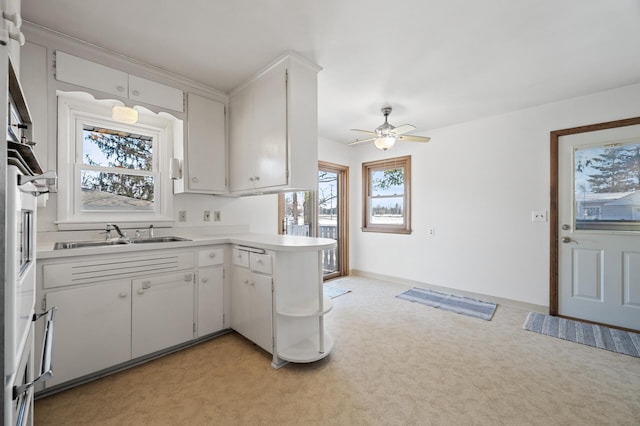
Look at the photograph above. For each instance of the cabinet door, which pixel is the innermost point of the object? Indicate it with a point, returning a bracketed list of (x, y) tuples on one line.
[(270, 127), (206, 168), (81, 72), (93, 329), (162, 312), (242, 157), (154, 93), (210, 300), (241, 302), (261, 311)]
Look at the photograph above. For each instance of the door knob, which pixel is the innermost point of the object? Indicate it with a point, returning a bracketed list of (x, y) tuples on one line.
[(140, 291), (567, 240), (566, 227)]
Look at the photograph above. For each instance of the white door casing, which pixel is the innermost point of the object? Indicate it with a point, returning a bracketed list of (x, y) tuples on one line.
[(598, 266)]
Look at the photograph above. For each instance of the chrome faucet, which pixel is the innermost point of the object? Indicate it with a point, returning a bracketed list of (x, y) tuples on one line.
[(111, 227)]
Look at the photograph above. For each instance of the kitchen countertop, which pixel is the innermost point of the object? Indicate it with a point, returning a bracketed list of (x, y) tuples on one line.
[(264, 241)]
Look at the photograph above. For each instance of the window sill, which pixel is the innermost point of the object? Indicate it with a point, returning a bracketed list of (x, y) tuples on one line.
[(387, 230)]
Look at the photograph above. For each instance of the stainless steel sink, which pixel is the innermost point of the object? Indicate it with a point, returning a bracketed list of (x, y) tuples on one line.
[(158, 240), (84, 244), (81, 244)]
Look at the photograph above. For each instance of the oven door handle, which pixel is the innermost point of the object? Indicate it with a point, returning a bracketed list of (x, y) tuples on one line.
[(47, 350)]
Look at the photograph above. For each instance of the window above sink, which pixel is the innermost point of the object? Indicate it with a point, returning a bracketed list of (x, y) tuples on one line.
[(113, 171)]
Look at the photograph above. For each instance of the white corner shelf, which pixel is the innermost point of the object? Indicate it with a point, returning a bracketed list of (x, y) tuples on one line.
[(307, 350), (307, 310)]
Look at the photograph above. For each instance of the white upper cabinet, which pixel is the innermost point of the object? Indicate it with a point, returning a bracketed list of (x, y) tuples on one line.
[(205, 160), (154, 93), (91, 75), (273, 140)]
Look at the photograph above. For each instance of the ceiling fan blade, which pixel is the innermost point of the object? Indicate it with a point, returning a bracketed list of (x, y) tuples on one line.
[(357, 141), (411, 138), (403, 129), (364, 131)]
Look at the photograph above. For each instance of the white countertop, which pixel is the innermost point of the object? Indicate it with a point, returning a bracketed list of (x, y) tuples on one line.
[(264, 241)]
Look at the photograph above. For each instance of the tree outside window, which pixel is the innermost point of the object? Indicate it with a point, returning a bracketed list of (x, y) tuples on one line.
[(117, 171)]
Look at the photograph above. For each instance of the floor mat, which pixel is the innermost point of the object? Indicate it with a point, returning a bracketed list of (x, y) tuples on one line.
[(450, 302), (611, 339)]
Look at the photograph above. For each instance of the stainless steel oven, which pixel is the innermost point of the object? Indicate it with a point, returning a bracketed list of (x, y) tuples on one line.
[(24, 182)]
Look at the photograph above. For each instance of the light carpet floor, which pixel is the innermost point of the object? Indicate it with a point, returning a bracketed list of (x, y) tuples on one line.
[(393, 363)]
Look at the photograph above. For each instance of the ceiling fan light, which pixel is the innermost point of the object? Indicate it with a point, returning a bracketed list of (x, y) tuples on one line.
[(384, 143)]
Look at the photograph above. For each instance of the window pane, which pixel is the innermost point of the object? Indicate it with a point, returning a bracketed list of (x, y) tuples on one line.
[(115, 191), (387, 182), (328, 218), (111, 148), (387, 211), (607, 187), (297, 213)]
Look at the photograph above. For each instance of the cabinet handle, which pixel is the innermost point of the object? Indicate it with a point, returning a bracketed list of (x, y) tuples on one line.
[(195, 180), (135, 92), (140, 291), (259, 261), (246, 281), (250, 178), (146, 284), (120, 88), (252, 284), (257, 178), (122, 294), (205, 280), (187, 278), (212, 254)]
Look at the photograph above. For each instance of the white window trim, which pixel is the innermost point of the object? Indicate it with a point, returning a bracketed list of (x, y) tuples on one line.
[(81, 108)]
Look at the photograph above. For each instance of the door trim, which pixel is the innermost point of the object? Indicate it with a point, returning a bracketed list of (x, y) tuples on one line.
[(343, 215), (553, 210)]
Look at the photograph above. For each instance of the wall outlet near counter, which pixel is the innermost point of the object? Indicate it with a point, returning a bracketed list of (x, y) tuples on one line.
[(182, 216), (216, 216), (207, 216)]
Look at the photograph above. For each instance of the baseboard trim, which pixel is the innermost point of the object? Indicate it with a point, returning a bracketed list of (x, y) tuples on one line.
[(405, 284)]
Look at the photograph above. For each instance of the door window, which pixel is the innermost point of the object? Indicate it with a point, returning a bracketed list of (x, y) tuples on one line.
[(607, 187)]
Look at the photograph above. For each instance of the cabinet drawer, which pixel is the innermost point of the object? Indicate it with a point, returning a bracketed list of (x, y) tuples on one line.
[(241, 257), (210, 257), (110, 268), (260, 263)]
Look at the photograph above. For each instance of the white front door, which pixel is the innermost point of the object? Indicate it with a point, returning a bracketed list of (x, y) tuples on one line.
[(599, 226)]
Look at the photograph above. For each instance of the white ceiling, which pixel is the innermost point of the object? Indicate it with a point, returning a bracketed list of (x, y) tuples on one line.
[(436, 62)]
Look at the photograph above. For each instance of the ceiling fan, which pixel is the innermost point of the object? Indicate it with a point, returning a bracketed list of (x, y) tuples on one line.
[(386, 134)]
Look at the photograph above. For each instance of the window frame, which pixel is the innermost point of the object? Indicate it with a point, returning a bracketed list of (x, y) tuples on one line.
[(75, 110), (389, 163)]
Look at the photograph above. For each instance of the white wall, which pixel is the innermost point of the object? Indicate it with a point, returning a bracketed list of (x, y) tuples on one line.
[(476, 184)]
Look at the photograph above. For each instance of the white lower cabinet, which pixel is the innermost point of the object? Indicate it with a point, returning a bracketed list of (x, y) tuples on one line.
[(210, 299), (93, 328), (162, 312), (279, 293), (251, 306), (104, 321)]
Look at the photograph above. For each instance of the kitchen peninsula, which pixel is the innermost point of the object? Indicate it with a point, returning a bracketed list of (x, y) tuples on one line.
[(136, 302)]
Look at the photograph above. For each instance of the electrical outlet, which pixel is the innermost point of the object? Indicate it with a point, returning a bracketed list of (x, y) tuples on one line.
[(207, 216), (182, 216), (431, 232), (539, 216), (216, 216)]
